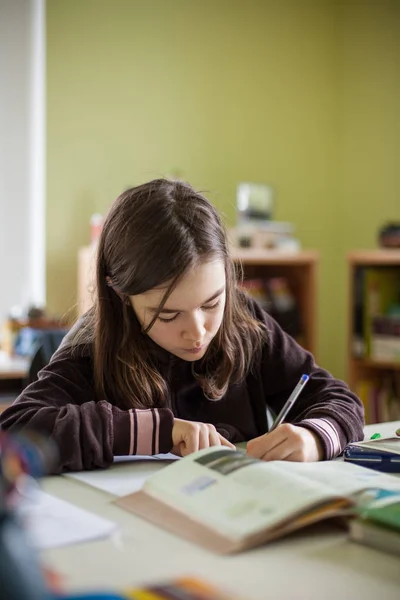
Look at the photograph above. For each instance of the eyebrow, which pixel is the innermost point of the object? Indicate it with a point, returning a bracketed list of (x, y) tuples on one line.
[(178, 310)]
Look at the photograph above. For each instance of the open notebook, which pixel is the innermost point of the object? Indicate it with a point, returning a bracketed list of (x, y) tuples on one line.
[(227, 501)]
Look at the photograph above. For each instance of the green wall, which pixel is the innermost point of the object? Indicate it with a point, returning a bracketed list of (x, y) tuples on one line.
[(301, 95)]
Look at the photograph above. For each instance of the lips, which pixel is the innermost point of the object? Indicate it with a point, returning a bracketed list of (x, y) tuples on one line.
[(195, 349)]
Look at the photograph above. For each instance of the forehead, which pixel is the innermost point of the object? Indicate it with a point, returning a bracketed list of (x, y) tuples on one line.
[(195, 288)]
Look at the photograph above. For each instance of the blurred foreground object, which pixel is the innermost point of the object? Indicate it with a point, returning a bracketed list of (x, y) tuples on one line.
[(22, 456), (186, 588)]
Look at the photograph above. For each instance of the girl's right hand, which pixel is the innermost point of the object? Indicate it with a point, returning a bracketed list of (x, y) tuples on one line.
[(190, 436)]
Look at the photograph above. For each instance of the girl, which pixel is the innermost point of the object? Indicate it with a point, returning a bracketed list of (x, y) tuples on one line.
[(173, 356)]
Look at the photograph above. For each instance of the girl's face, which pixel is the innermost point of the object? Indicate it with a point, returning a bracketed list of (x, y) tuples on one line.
[(191, 315)]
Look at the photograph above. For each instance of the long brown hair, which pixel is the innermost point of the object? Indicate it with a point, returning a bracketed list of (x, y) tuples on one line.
[(153, 234)]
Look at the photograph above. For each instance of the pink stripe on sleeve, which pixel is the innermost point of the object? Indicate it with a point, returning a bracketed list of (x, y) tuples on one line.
[(144, 431), (329, 432), (157, 440), (132, 432)]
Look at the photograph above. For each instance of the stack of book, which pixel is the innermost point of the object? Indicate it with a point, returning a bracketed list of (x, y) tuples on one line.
[(381, 397), (385, 338), (376, 312), (379, 525), (275, 296)]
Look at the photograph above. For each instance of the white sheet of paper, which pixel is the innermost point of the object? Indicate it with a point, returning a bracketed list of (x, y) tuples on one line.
[(126, 475), (51, 522), (138, 458)]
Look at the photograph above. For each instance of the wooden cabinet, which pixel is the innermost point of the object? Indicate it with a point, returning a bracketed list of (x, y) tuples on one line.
[(299, 269), (373, 362)]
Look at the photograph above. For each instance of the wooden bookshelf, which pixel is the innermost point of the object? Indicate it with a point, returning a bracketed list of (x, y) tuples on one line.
[(300, 270), (364, 369)]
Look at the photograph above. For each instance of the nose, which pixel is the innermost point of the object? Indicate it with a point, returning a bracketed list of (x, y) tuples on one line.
[(195, 328)]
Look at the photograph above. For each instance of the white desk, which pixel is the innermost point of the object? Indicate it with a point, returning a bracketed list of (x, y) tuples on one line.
[(316, 565)]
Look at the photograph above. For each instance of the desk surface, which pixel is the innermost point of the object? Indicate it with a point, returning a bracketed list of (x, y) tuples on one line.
[(317, 564)]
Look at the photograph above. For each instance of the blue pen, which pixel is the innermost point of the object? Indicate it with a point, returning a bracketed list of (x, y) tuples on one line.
[(290, 401)]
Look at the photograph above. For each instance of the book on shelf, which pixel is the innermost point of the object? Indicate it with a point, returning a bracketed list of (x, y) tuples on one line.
[(385, 338), (228, 502), (376, 331), (378, 526), (380, 397), (358, 341), (276, 297)]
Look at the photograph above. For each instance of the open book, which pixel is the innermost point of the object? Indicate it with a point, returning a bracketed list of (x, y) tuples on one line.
[(227, 501)]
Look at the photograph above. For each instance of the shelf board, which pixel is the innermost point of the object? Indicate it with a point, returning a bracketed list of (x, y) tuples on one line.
[(368, 363), (259, 256), (381, 256)]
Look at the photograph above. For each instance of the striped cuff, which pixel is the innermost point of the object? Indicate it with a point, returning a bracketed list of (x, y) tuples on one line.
[(143, 432), (328, 434)]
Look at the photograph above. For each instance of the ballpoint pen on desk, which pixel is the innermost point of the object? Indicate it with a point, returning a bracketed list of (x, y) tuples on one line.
[(290, 401)]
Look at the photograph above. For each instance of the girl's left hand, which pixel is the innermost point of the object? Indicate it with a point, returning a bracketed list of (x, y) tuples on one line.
[(286, 442)]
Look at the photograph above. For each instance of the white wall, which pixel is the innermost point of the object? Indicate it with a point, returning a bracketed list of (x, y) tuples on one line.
[(22, 194)]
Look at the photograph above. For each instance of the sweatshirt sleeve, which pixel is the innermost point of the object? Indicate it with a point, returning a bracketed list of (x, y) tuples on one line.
[(326, 405), (88, 432)]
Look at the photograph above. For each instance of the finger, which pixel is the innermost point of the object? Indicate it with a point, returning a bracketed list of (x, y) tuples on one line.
[(213, 437), (183, 450), (225, 442), (177, 450), (280, 452), (296, 456), (186, 449), (258, 447), (294, 446), (203, 437), (191, 440)]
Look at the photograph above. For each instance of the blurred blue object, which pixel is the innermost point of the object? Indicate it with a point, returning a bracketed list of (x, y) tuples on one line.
[(89, 596), (21, 576), (39, 345), (44, 349), (29, 338)]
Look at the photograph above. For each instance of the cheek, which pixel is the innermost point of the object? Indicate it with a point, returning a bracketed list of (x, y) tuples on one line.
[(162, 332), (215, 320)]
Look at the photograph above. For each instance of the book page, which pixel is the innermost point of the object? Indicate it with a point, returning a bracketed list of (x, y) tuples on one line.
[(124, 476), (341, 477), (234, 494)]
